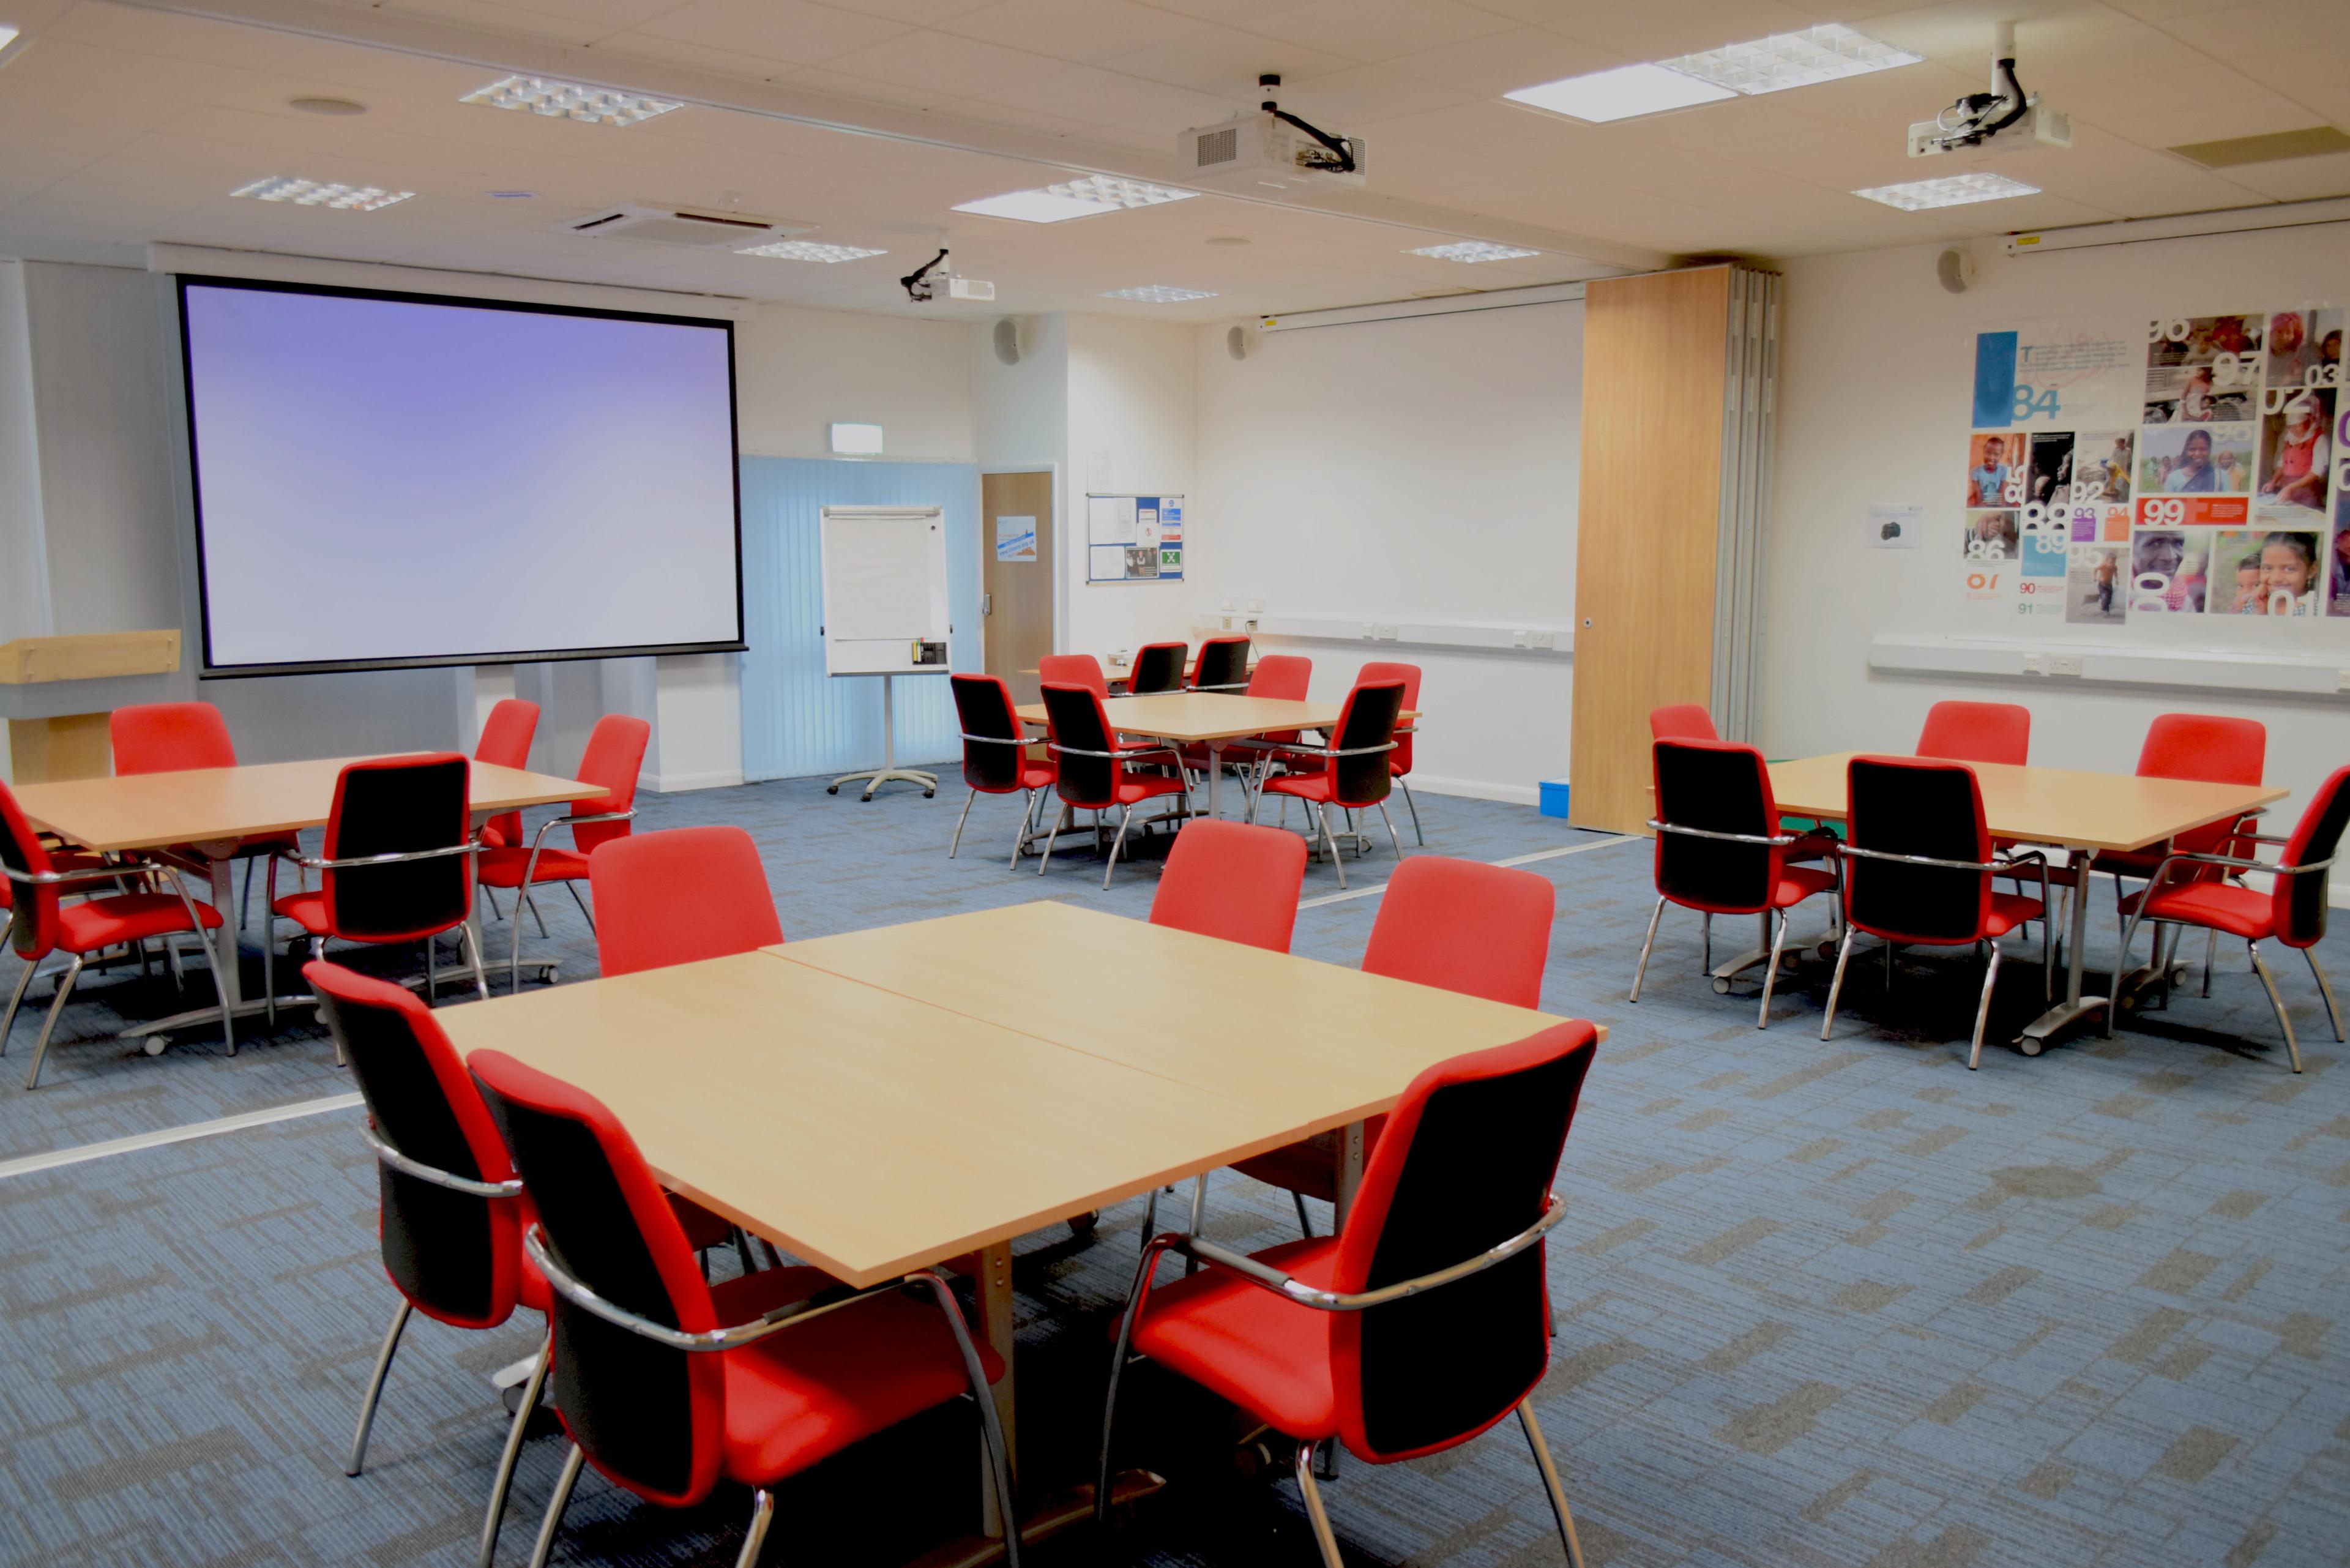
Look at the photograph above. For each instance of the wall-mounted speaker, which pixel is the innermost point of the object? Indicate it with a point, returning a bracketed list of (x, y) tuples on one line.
[(1007, 340), (1955, 269), (1236, 342)]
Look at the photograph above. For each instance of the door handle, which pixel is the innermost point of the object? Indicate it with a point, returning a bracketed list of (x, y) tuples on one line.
[(987, 604)]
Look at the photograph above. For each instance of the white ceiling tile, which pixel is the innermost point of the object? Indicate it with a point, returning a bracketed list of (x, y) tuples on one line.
[(988, 111), (788, 30), (1646, 30), (1376, 29), (1334, 99), (514, 21), (2259, 29), (1499, 63), (920, 12), (145, 32), (2298, 179), (1225, 63), (824, 79), (1084, 30), (1097, 96), (961, 67)]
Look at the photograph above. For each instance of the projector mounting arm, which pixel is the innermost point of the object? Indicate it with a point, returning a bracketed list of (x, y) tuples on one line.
[(1342, 157)]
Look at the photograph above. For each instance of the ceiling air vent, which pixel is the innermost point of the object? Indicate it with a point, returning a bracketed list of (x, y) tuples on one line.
[(2313, 142), (697, 227)]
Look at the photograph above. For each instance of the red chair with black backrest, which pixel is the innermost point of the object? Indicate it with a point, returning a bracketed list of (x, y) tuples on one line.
[(2213, 750), (1424, 1322), (506, 735), (451, 1207), (1918, 869), (1230, 880), (668, 1385), (1158, 668), (1353, 772), (2184, 892), (1285, 677), (179, 737), (397, 866), (1457, 925), (1399, 760), (996, 758), (614, 757), (41, 923), (1681, 722), (1720, 850), (1095, 773), (1977, 732), (1222, 665), (680, 895)]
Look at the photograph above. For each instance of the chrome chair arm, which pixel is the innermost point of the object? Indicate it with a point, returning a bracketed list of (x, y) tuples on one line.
[(1290, 1288), (1134, 754), (386, 1155), (1000, 741), (1324, 751), (355, 862), (1774, 840), (1851, 852), (2236, 863), (832, 1299), (93, 873)]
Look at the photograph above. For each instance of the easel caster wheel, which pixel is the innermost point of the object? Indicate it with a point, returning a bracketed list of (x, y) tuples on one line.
[(2029, 1046), (832, 789), (1721, 985), (1085, 1224), (155, 1044), (2178, 974), (930, 795)]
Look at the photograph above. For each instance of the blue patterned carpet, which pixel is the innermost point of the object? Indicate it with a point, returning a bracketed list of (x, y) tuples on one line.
[(1834, 1304)]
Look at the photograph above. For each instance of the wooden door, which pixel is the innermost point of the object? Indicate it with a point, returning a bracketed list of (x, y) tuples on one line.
[(1654, 357), (1018, 584)]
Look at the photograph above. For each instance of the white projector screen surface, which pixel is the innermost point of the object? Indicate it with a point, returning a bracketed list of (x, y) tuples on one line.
[(402, 479)]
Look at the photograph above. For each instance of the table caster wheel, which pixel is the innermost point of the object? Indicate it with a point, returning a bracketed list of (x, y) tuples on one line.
[(155, 1044), (2129, 1002), (1721, 986), (930, 795), (2178, 974), (2029, 1046), (832, 789), (1085, 1224)]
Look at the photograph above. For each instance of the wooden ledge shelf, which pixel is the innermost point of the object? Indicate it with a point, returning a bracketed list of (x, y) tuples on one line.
[(89, 656)]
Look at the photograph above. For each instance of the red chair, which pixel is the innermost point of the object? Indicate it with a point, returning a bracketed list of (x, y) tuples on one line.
[(179, 737), (1977, 732), (614, 757), (996, 758), (2213, 750), (41, 923), (1424, 1322), (1353, 773), (1399, 761), (1720, 849), (1456, 925), (1285, 677), (1095, 773), (2293, 912), (1158, 668), (1222, 665), (1681, 722), (680, 895), (505, 740), (1230, 880), (1073, 669), (1919, 867), (397, 866), (453, 1211), (670, 1385)]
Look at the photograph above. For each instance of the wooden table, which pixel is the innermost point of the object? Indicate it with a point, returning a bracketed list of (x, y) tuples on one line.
[(212, 809), (893, 1099), (2085, 814)]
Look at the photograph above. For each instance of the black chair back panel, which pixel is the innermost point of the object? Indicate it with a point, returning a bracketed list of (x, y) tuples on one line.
[(1438, 1366), (627, 1401), (1368, 721), (2302, 909), (1077, 722), (398, 810), (1718, 788), (984, 706), (1223, 662), (1158, 667), (1910, 809)]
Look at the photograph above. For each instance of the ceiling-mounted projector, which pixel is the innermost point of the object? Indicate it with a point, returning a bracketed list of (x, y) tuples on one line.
[(922, 285), (1271, 149), (2003, 120)]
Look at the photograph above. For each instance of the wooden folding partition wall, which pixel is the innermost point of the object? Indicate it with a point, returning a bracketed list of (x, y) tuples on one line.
[(1678, 395)]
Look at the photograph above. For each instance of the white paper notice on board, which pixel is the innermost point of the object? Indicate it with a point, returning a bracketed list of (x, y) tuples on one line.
[(1109, 520), (1896, 526), (1015, 538), (1108, 562)]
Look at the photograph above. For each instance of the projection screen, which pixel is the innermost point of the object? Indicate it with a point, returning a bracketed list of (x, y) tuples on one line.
[(388, 480)]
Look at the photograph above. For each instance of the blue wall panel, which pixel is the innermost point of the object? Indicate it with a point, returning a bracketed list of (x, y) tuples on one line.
[(797, 720)]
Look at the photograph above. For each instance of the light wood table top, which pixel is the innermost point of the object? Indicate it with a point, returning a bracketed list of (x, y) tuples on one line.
[(870, 1133), (201, 805), (2048, 805), (1294, 1043), (1194, 716)]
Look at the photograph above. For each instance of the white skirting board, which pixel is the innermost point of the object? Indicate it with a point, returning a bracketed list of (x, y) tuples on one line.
[(2319, 673), (1476, 789), (673, 783)]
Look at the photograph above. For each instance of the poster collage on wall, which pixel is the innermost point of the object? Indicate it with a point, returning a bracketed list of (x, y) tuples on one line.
[(2201, 468)]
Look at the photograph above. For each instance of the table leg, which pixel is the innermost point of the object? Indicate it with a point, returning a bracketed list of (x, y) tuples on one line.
[(1215, 778), (1350, 1170), (995, 1326), (1753, 957), (2075, 1006), (228, 980)]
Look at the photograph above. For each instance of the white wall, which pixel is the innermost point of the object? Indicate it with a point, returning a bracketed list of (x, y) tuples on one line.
[(1874, 401), (796, 371), (1415, 471), (1133, 411)]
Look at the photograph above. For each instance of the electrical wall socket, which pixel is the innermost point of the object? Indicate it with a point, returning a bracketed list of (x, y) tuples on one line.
[(1542, 639), (1388, 633), (1256, 606), (1226, 622), (1252, 626), (1522, 639), (2064, 664), (2032, 664), (1370, 630), (2341, 681)]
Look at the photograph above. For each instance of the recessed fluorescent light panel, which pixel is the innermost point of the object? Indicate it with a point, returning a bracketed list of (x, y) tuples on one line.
[(1823, 54), (808, 250), (7, 35), (313, 193), (568, 100), (855, 439), (1620, 94), (1951, 190), (1075, 199), (1472, 251), (1160, 294)]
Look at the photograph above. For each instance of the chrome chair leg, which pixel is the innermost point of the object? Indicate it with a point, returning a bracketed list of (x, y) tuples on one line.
[(2291, 1047), (1020, 835), (1199, 1217), (1303, 1468), (557, 1504), (1983, 1008), (473, 957), (357, 1461), (1549, 1467), (2211, 953), (2333, 1013), (1149, 1219), (571, 885), (1125, 821), (49, 1024), (1393, 842), (1707, 956), (1836, 984), (1640, 975), (15, 1000), (956, 842), (990, 1424), (1405, 785), (763, 1514), (1134, 1300), (1053, 837), (490, 896), (431, 972), (245, 902), (503, 1482), (1331, 839), (1771, 973), (1305, 1220), (2048, 963), (268, 941)]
